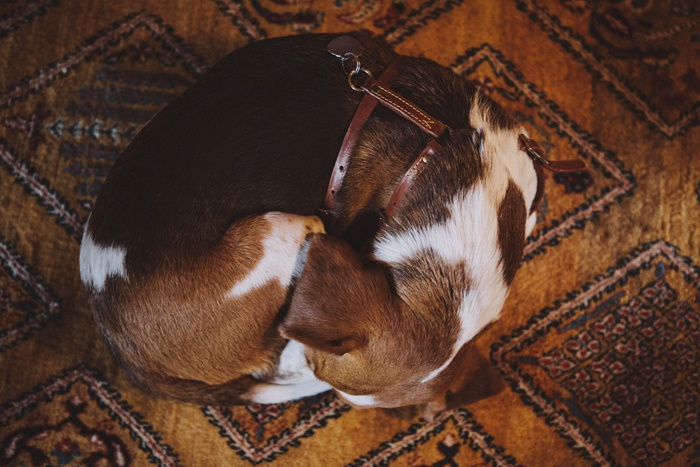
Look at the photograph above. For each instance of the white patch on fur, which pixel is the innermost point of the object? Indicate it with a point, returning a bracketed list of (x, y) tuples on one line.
[(360, 401), (292, 379), (469, 236), (439, 369), (500, 150), (98, 262), (277, 393), (280, 251), (481, 305), (483, 301), (530, 224), (292, 367)]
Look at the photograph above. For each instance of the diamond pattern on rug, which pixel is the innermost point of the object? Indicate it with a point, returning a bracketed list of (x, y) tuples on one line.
[(396, 26), (110, 86), (574, 200), (453, 438), (261, 433), (617, 40), (614, 367), (15, 14), (395, 20), (26, 303), (75, 418)]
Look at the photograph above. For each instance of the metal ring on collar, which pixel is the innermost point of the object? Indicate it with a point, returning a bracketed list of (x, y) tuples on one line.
[(352, 85), (354, 62)]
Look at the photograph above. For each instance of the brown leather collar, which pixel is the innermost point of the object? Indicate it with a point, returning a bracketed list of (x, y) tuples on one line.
[(362, 113), (379, 91), (536, 153)]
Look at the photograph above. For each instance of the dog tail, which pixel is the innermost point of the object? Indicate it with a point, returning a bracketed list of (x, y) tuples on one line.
[(197, 392), (240, 391)]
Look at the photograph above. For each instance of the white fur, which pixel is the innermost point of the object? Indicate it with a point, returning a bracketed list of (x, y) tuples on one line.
[(277, 393), (292, 379), (470, 235), (439, 369), (500, 149), (481, 305), (530, 224), (360, 401), (503, 162), (98, 262), (292, 367), (280, 251)]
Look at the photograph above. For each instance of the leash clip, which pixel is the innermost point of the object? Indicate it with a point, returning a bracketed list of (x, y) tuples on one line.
[(348, 50)]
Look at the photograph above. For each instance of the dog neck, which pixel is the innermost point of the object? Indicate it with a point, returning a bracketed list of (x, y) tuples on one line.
[(380, 92), (380, 196)]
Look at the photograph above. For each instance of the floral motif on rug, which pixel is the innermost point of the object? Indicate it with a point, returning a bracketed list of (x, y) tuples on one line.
[(77, 419), (614, 366), (261, 433), (453, 438), (645, 51), (395, 20)]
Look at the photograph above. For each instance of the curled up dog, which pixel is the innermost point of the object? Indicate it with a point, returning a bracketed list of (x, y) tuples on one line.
[(212, 277)]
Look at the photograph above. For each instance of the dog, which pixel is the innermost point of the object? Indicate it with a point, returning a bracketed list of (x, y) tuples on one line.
[(213, 279)]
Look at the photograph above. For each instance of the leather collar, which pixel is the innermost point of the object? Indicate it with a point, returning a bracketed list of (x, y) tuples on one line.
[(379, 92)]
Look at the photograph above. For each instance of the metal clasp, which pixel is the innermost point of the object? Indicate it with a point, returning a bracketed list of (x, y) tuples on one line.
[(348, 50), (355, 73)]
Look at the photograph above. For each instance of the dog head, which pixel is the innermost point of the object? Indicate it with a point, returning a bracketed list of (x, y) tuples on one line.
[(387, 331)]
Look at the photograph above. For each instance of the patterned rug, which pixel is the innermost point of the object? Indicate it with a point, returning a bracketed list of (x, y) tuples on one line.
[(596, 360)]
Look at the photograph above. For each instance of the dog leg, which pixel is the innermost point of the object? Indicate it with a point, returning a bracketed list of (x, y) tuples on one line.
[(434, 408), (288, 233)]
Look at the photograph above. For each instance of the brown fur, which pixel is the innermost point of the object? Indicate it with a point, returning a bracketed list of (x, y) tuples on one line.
[(354, 322), (342, 305), (260, 133), (151, 320), (511, 230), (183, 201)]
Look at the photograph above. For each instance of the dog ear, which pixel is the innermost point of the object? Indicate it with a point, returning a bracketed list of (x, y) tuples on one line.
[(475, 379), (335, 299), (472, 378)]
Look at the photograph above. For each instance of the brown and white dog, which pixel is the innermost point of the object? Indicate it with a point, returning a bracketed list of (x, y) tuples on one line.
[(212, 280)]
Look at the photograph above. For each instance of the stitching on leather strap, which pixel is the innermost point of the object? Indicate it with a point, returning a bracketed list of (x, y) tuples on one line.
[(423, 118), (362, 113)]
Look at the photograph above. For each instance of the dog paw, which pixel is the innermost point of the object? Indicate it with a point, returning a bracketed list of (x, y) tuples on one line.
[(293, 227), (314, 225), (294, 224), (433, 409)]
